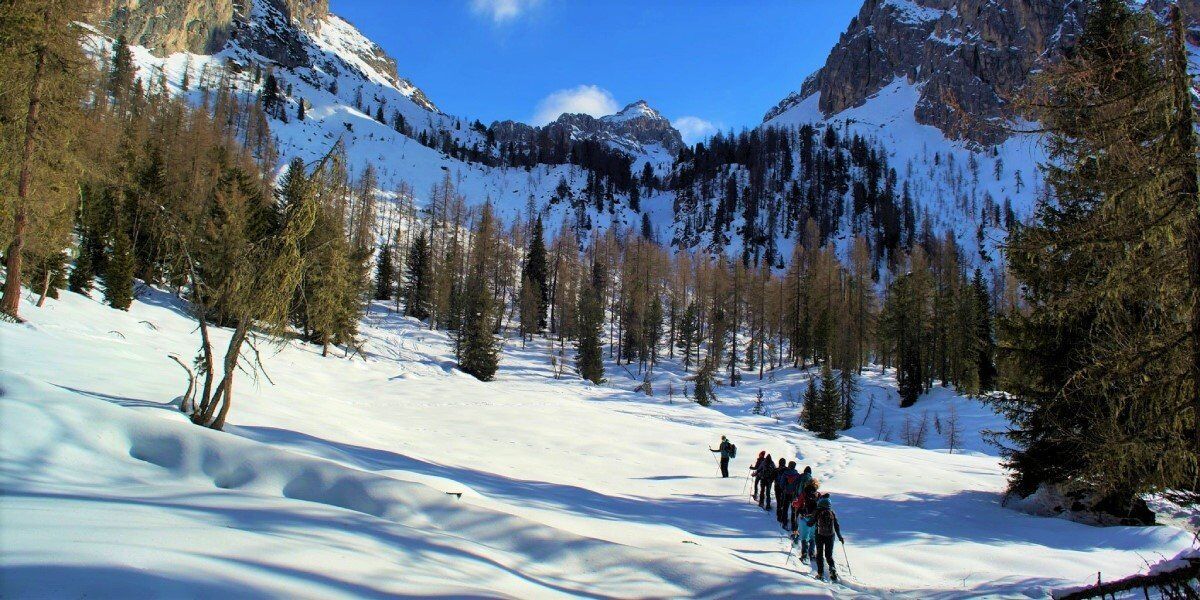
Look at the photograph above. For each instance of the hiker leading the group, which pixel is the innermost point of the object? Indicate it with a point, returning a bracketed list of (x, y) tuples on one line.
[(825, 524), (728, 451)]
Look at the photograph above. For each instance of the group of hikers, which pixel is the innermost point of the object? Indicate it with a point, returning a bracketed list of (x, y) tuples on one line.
[(800, 507)]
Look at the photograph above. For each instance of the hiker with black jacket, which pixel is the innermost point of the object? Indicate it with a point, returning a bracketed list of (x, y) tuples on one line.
[(765, 477), (727, 450), (754, 470), (788, 480), (777, 482), (825, 524)]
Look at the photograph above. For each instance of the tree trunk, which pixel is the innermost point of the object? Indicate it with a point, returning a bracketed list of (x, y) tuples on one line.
[(11, 300), (45, 288)]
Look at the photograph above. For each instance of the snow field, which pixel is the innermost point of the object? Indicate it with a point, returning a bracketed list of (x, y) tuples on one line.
[(332, 479)]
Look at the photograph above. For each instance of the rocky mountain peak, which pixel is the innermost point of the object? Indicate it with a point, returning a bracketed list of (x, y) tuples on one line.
[(967, 57)]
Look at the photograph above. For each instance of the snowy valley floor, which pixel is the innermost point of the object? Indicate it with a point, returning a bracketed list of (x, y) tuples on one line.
[(333, 479)]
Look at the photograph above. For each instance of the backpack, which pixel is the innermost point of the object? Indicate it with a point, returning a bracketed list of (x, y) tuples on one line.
[(824, 522), (791, 483), (732, 450)]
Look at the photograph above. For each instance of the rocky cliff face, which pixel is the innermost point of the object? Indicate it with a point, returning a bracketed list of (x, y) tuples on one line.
[(287, 33), (969, 58)]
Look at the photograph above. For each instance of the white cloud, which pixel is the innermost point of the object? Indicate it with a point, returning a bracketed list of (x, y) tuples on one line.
[(502, 10), (694, 129), (587, 99)]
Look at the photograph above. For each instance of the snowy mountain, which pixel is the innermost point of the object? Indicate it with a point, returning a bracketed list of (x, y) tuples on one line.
[(926, 84)]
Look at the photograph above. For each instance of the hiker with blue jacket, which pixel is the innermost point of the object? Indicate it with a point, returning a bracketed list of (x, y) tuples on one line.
[(825, 525), (728, 451)]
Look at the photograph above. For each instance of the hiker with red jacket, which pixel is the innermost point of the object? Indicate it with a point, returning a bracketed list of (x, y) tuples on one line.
[(825, 524)]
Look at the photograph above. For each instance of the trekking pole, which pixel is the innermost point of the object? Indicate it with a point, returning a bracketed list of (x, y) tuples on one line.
[(791, 551), (847, 557), (745, 484), (718, 461)]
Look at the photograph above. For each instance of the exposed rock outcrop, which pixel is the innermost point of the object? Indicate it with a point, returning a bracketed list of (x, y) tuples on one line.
[(969, 57)]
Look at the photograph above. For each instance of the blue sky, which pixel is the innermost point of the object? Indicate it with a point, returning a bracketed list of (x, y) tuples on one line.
[(702, 63)]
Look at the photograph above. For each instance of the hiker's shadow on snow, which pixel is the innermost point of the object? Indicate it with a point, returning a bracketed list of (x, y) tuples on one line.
[(703, 515), (669, 477)]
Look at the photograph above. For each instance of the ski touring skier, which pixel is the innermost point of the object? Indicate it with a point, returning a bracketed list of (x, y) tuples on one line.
[(728, 451)]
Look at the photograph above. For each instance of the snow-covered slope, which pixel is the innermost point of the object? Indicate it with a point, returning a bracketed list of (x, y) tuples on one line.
[(332, 479)]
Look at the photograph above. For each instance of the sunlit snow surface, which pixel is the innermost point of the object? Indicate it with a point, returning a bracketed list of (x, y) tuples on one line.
[(332, 479)]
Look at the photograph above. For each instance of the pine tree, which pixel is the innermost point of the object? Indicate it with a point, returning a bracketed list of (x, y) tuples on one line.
[(812, 406), (983, 335), (42, 71), (829, 406), (688, 334), (704, 391), (535, 271), (384, 274), (118, 274), (847, 392), (83, 271), (478, 348), (418, 279), (589, 359), (759, 407), (1099, 383)]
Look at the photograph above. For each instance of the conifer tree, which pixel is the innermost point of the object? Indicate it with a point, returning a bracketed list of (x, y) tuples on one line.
[(829, 406), (1097, 362), (688, 334), (812, 406), (418, 279), (118, 273), (83, 272), (704, 392), (42, 71), (384, 274), (847, 392), (478, 349), (589, 360), (535, 271)]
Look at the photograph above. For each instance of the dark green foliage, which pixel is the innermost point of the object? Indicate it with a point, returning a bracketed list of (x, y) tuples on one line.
[(535, 270), (589, 359), (118, 273), (385, 273), (688, 334), (83, 271), (985, 342), (1098, 377), (809, 418), (847, 391), (828, 419), (704, 392), (479, 352), (418, 278), (48, 274)]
